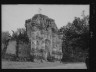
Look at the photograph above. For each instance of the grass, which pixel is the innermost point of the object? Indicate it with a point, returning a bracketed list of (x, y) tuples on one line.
[(45, 65)]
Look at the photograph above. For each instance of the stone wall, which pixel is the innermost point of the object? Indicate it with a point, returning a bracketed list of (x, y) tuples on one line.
[(43, 33), (11, 48)]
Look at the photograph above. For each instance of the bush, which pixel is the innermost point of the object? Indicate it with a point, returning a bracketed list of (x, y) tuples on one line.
[(50, 58), (9, 57)]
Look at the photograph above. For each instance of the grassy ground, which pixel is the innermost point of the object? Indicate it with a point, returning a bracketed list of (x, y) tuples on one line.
[(45, 65)]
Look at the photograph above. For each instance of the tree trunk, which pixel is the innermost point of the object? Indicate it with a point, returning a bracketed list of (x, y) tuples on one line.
[(64, 50), (17, 49)]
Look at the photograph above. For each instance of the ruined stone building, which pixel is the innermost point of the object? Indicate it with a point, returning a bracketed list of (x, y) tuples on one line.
[(43, 34)]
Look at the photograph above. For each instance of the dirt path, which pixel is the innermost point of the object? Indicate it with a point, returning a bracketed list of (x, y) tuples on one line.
[(46, 65)]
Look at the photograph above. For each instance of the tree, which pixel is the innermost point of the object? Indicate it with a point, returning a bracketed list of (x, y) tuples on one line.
[(23, 35), (75, 34), (5, 40), (20, 36)]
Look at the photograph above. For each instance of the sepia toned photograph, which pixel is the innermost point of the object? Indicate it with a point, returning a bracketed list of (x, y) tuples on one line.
[(42, 36)]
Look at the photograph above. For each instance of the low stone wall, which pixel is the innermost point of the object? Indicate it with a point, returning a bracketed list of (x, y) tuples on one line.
[(11, 48)]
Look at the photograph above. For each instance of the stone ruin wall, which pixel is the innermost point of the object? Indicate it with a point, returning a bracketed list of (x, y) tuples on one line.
[(43, 33)]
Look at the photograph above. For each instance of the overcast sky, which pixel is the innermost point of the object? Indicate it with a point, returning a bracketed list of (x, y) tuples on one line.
[(14, 16)]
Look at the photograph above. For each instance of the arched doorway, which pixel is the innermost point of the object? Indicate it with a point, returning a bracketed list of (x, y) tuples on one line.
[(47, 48)]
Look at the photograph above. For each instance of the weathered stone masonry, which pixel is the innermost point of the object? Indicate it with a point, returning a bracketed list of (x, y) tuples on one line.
[(43, 34)]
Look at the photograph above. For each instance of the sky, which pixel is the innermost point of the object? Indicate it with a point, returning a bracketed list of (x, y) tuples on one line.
[(14, 16)]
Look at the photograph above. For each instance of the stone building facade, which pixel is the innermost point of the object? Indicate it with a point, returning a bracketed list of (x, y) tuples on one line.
[(43, 34)]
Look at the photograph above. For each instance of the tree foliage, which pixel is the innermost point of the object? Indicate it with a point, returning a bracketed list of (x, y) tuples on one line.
[(21, 37), (5, 36), (75, 35)]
